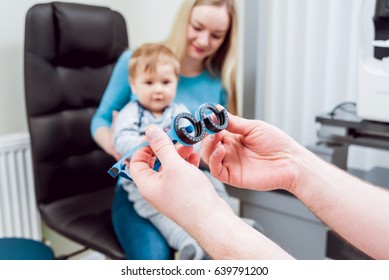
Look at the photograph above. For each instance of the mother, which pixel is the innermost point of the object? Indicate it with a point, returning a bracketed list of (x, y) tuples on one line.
[(203, 37)]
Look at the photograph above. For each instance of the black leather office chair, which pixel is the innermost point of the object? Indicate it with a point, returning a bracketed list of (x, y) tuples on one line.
[(70, 51)]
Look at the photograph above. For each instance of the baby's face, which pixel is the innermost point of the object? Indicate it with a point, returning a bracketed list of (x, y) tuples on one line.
[(156, 90)]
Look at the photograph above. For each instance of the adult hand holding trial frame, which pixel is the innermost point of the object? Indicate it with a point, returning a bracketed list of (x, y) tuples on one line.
[(187, 135)]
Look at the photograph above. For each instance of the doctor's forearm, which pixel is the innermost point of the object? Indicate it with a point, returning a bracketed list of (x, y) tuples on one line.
[(224, 236), (356, 210)]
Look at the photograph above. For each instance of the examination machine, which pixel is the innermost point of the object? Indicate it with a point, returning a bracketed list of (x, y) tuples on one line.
[(373, 61)]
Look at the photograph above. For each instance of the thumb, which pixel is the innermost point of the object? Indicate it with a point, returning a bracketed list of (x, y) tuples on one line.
[(162, 145), (238, 125)]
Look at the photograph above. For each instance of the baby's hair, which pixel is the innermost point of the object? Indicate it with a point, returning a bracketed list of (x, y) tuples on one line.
[(149, 56)]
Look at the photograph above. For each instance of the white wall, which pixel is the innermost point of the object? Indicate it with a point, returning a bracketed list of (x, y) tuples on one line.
[(143, 24), (309, 65)]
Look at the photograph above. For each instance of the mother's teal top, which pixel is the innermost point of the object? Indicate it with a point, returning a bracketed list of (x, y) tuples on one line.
[(191, 91)]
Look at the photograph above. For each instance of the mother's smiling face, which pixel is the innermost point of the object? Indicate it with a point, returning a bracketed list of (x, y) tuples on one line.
[(207, 29)]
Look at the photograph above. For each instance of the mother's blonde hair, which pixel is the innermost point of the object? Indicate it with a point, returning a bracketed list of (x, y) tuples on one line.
[(221, 64)]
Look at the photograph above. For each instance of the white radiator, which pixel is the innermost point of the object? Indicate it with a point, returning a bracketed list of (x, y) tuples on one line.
[(19, 216)]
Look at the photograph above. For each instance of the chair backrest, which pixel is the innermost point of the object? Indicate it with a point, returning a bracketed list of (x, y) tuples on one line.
[(70, 51)]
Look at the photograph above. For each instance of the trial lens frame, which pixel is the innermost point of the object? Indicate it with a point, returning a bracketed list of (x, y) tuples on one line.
[(189, 135)]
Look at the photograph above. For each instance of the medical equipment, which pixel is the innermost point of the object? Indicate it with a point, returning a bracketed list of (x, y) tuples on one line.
[(186, 135), (373, 66)]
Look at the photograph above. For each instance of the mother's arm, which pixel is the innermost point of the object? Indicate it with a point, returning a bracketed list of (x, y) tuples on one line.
[(116, 96)]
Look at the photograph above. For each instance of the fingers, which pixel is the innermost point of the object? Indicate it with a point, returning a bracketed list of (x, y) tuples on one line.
[(216, 161), (194, 159), (162, 145), (209, 145), (140, 165), (238, 125), (163, 149), (188, 153)]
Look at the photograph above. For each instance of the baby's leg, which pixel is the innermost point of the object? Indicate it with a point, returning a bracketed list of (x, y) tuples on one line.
[(177, 238), (221, 191), (253, 224), (219, 187)]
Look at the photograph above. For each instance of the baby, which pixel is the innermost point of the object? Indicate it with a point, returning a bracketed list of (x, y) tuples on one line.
[(153, 76)]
